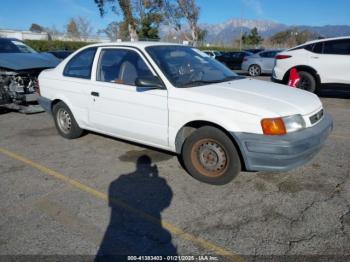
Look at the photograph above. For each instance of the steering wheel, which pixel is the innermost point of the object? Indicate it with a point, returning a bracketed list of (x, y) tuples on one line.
[(187, 73)]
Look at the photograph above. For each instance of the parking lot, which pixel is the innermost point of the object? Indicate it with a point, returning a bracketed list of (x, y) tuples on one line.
[(97, 193)]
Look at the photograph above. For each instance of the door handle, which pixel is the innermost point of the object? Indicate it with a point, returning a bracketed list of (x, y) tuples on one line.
[(95, 93), (314, 57)]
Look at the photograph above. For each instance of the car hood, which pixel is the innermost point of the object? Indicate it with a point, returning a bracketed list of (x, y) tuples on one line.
[(256, 97), (23, 61)]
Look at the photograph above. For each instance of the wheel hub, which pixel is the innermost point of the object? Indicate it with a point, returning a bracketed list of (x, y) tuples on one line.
[(64, 120), (212, 157)]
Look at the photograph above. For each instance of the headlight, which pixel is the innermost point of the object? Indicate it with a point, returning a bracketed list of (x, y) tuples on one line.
[(293, 123), (282, 125)]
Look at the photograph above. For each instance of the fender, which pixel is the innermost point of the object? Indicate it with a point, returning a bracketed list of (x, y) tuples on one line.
[(303, 68)]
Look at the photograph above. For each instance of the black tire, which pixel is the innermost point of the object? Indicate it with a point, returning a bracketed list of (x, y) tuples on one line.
[(74, 131), (307, 82), (210, 156), (254, 70)]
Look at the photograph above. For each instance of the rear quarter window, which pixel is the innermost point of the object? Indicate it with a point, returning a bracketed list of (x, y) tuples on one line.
[(80, 65), (337, 47)]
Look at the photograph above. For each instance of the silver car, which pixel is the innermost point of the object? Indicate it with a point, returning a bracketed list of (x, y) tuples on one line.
[(260, 63)]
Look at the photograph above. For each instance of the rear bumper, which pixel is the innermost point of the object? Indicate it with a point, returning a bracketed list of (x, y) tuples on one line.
[(45, 103), (244, 67), (282, 153)]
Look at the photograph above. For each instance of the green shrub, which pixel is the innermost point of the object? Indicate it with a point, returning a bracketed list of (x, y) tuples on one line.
[(49, 45), (218, 48)]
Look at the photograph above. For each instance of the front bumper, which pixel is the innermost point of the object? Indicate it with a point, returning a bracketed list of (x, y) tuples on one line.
[(45, 103), (282, 153), (275, 80)]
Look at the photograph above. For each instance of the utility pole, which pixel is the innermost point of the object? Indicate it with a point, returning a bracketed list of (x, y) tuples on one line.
[(241, 22)]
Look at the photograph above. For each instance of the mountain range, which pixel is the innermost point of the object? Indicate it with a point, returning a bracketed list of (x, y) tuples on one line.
[(231, 29)]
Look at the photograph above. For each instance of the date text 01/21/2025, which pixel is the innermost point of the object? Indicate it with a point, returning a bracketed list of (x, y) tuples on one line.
[(173, 258)]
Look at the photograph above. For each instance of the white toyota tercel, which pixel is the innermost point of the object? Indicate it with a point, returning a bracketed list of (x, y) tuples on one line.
[(177, 98)]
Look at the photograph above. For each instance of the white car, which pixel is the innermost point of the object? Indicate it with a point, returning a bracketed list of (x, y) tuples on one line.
[(320, 62), (176, 98)]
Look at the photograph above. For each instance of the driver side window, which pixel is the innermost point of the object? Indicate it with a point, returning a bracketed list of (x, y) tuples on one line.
[(121, 66)]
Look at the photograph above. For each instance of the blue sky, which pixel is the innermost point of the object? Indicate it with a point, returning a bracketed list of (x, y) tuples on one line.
[(19, 14)]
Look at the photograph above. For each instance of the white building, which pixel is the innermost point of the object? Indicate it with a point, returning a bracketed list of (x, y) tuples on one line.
[(23, 35), (29, 35)]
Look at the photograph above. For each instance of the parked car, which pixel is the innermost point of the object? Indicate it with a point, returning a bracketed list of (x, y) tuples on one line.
[(212, 53), (255, 50), (320, 62), (20, 66), (177, 98), (260, 63), (233, 60), (61, 54)]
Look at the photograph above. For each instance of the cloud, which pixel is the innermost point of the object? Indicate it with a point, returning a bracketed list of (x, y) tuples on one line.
[(255, 5)]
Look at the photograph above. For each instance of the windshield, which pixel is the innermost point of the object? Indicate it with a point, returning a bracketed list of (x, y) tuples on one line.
[(14, 46), (187, 67)]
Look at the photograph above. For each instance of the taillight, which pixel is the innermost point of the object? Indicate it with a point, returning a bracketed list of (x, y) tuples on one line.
[(279, 57)]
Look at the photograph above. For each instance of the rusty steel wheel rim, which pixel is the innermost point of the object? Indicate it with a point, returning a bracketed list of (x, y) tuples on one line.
[(209, 157)]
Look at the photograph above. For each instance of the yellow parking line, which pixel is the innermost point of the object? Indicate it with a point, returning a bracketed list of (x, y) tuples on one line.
[(340, 136), (171, 228)]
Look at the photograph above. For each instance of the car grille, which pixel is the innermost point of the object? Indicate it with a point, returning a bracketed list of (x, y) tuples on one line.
[(316, 117)]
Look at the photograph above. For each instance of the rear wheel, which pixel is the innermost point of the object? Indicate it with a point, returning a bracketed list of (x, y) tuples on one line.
[(210, 156), (65, 122), (254, 70), (307, 82)]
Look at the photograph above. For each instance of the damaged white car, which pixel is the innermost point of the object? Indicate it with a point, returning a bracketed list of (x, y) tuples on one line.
[(20, 66)]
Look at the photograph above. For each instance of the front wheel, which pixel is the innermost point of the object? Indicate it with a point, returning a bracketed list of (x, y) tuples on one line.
[(210, 156)]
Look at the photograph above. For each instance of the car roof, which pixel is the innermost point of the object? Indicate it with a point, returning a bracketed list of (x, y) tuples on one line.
[(9, 39), (138, 44), (325, 39)]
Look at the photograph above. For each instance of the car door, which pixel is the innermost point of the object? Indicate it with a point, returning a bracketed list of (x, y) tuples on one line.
[(120, 108), (331, 59), (74, 86)]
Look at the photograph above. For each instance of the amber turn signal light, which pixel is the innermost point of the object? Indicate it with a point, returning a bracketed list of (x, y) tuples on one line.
[(273, 126)]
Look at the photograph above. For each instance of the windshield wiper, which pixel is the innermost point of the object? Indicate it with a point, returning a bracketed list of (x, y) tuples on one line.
[(199, 82), (229, 78)]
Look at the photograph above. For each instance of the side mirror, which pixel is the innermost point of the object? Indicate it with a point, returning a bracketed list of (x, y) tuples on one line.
[(149, 82)]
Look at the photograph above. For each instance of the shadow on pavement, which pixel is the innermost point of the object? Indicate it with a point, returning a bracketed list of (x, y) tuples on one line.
[(130, 232)]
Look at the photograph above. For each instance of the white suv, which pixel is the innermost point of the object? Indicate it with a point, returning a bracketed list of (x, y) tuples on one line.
[(179, 99), (325, 61)]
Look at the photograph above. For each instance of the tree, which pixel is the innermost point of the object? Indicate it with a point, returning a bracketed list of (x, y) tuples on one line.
[(36, 28), (292, 37), (172, 14), (53, 32), (112, 31), (253, 38), (126, 7), (191, 13), (150, 16), (202, 34), (72, 29), (84, 27)]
